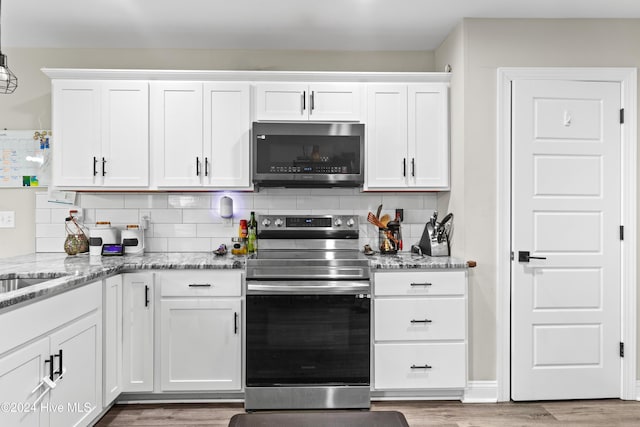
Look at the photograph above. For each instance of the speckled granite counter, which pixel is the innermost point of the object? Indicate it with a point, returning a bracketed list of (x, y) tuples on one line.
[(68, 272), (407, 260)]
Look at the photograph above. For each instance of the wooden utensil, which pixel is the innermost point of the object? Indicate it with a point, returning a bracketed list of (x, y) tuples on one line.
[(385, 220), (375, 221), (378, 212)]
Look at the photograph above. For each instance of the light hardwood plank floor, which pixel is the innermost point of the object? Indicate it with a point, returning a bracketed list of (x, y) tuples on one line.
[(581, 413)]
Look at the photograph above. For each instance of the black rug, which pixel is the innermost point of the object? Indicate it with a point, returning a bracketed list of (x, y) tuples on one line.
[(320, 419)]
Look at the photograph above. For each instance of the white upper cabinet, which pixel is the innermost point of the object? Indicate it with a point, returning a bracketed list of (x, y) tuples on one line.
[(200, 134), (301, 101), (407, 137), (101, 133)]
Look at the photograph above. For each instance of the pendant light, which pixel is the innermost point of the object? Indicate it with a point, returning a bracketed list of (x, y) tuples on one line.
[(8, 80)]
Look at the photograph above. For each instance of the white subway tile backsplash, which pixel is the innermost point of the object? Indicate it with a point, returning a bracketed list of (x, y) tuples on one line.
[(174, 230), (217, 230), (117, 216), (43, 216), (50, 244), (99, 200), (189, 201), (155, 244), (190, 216), (317, 202), (189, 245), (50, 230), (191, 222), (146, 201), (166, 216)]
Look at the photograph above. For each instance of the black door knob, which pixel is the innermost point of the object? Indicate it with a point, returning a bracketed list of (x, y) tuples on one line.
[(524, 256)]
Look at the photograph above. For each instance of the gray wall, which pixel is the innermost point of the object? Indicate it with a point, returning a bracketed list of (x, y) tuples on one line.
[(30, 106), (476, 49)]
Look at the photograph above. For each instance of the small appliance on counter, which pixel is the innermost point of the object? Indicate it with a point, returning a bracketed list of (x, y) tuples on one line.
[(436, 237), (102, 234), (132, 238)]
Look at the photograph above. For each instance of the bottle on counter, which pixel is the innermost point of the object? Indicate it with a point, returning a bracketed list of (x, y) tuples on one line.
[(252, 238), (242, 230)]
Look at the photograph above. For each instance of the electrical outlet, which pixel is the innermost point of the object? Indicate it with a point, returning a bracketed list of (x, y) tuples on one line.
[(7, 219)]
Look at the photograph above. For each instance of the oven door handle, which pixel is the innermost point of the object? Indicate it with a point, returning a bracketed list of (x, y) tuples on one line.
[(306, 287)]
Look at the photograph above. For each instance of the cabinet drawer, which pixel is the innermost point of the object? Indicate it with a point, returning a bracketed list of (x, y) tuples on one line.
[(419, 366), (420, 283), (225, 283), (401, 319)]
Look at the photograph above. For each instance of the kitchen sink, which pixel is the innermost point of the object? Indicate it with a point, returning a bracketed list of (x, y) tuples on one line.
[(8, 285)]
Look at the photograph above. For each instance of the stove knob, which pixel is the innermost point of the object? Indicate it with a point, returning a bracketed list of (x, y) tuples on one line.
[(278, 222), (266, 222), (351, 222), (337, 222)]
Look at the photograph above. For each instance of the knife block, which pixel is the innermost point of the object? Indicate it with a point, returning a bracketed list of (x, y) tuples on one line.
[(429, 244)]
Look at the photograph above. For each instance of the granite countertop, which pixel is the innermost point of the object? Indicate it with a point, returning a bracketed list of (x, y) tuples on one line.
[(68, 272)]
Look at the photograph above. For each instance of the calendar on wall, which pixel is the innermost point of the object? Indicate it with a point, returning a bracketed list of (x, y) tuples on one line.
[(25, 158)]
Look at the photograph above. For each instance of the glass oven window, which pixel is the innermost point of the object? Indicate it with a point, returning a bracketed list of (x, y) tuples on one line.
[(307, 339)]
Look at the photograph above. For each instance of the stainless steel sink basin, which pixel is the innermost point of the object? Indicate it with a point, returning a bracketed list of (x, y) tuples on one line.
[(8, 285)]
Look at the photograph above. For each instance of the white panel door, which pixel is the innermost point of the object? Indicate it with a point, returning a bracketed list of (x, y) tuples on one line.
[(227, 128), (386, 147), (77, 349), (176, 131), (20, 374), (77, 132), (566, 209), (125, 126), (112, 338), (428, 135), (200, 348), (137, 332), (281, 101), (335, 102)]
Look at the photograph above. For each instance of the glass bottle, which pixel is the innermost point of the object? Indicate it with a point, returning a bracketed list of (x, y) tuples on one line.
[(252, 226)]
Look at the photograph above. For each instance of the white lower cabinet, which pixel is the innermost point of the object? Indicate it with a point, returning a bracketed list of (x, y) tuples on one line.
[(137, 331), (64, 344), (420, 330), (112, 339), (199, 330)]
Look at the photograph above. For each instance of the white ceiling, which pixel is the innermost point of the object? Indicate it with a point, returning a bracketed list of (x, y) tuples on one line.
[(271, 24)]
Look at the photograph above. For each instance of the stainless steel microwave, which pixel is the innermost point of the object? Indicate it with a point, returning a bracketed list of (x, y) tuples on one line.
[(308, 154)]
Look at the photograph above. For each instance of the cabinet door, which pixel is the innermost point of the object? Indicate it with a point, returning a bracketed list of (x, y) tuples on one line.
[(77, 132), (200, 348), (335, 101), (176, 133), (125, 125), (78, 351), (386, 149), (227, 126), (112, 338), (137, 332), (20, 374), (282, 101), (429, 136)]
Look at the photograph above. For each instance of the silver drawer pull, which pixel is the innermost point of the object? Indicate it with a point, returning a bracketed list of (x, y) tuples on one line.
[(425, 366), (421, 321), (200, 285), (421, 284)]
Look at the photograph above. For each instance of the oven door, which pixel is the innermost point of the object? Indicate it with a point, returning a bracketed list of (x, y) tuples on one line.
[(307, 339)]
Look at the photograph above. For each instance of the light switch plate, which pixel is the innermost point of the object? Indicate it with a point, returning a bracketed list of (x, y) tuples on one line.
[(7, 219)]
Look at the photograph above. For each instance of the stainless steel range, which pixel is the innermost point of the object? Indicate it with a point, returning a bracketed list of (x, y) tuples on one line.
[(308, 315)]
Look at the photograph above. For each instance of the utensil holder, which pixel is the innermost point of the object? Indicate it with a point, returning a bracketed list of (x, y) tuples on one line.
[(386, 242)]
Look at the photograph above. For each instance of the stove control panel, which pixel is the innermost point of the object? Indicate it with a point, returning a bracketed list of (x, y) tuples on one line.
[(308, 222)]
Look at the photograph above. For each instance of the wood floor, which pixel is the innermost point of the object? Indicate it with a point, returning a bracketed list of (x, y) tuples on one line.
[(418, 414)]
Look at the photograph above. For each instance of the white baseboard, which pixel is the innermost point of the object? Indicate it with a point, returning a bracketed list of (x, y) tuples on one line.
[(481, 392)]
